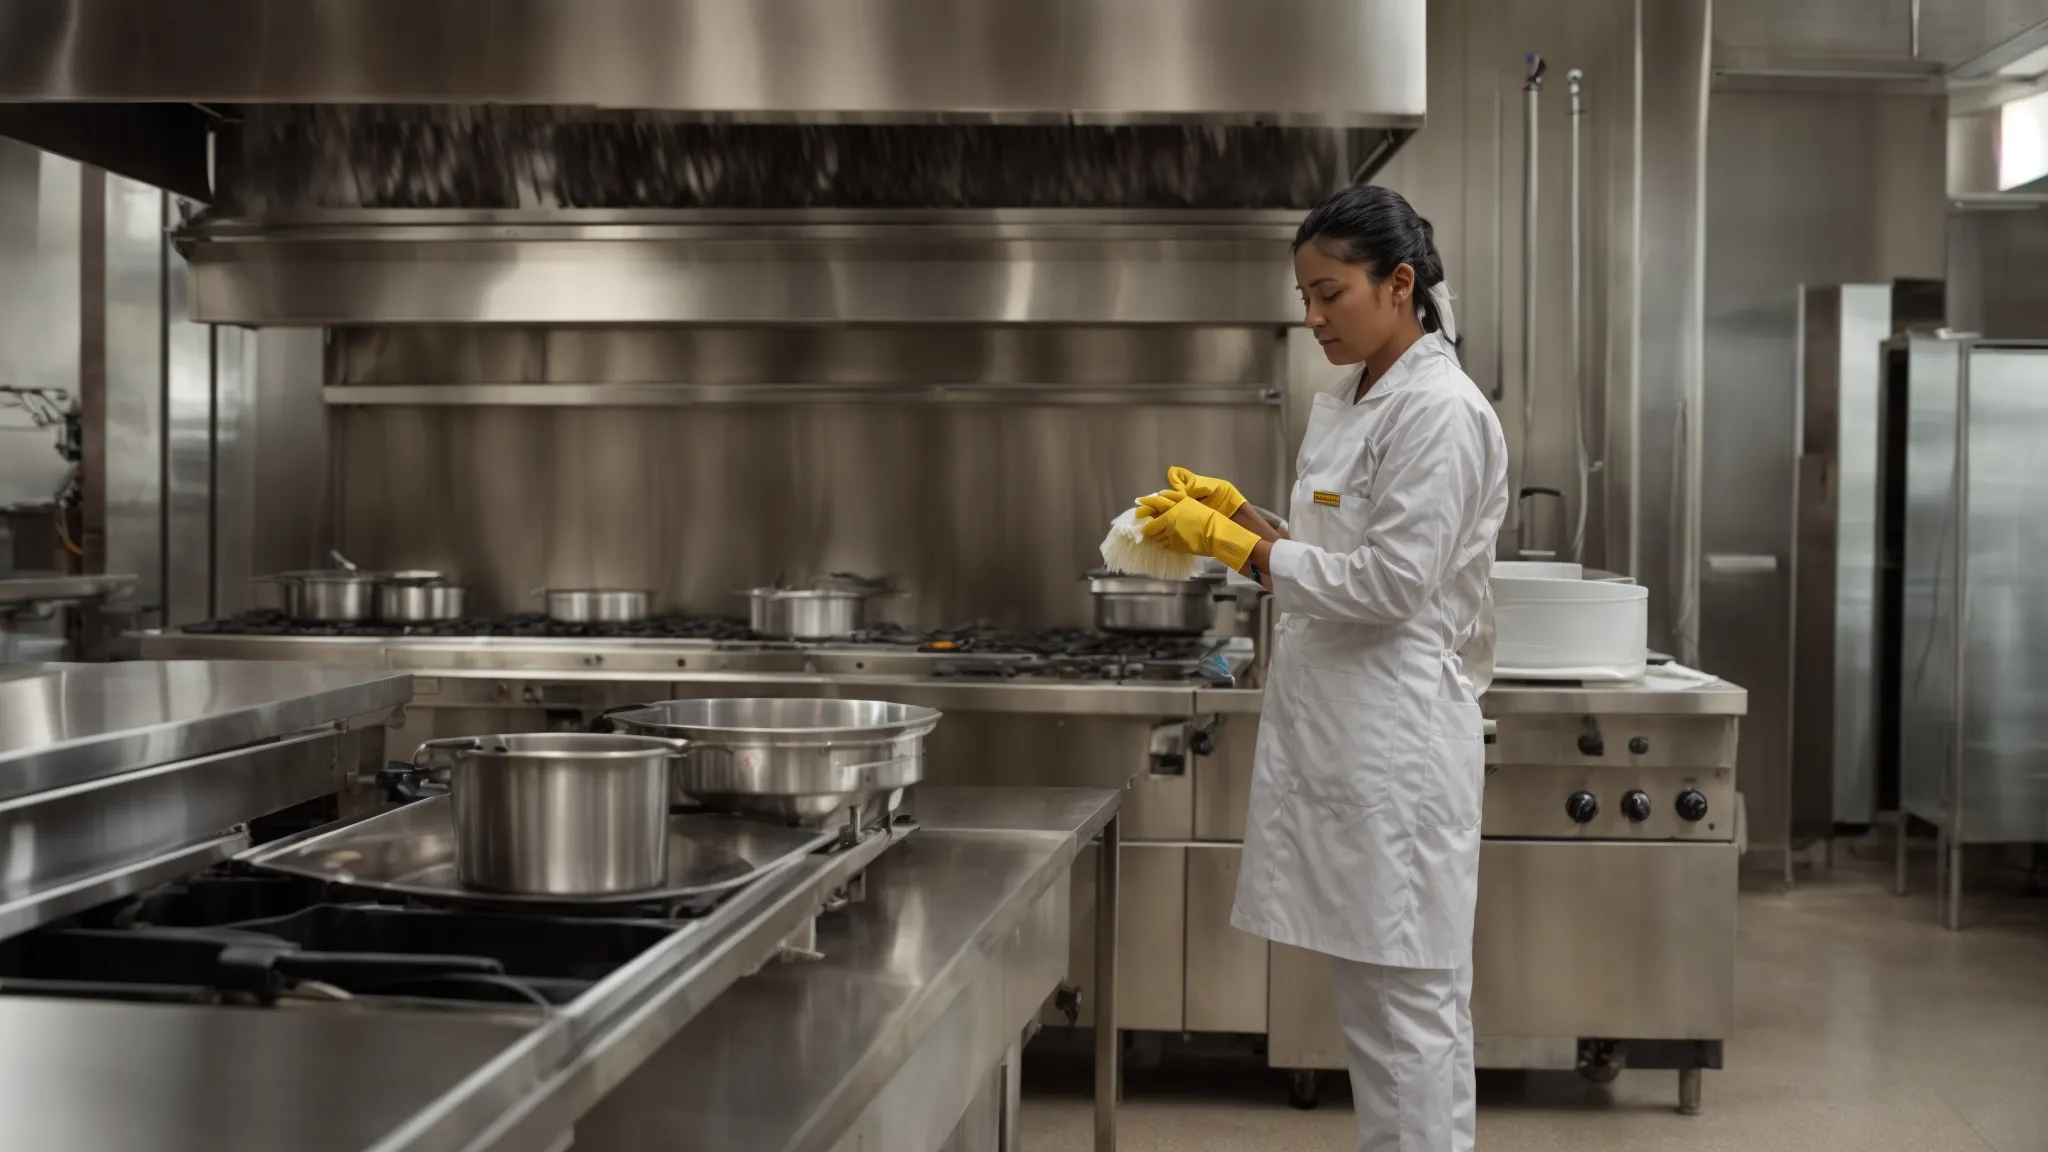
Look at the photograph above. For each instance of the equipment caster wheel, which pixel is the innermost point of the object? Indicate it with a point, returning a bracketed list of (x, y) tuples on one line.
[(1303, 1092), (1601, 1073), (1597, 1064)]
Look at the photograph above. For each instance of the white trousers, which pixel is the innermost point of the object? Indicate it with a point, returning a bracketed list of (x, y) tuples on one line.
[(1408, 1040)]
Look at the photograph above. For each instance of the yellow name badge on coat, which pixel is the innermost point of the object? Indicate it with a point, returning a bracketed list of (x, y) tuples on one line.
[(1329, 499)]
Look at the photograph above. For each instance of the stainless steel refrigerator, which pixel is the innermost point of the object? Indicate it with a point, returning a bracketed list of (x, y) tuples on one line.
[(1838, 684)]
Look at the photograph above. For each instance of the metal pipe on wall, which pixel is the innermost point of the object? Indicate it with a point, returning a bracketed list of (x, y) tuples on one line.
[(1692, 446), (1574, 303), (1500, 281), (1532, 96)]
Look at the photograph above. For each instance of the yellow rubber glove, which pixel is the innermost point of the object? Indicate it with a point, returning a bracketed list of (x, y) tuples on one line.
[(1221, 495), (1193, 527), (1158, 502)]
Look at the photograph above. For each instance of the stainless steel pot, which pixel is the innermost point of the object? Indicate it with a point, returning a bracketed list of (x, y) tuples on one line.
[(1133, 604), (597, 605), (327, 596), (827, 608), (806, 613), (558, 813), (406, 601), (807, 760)]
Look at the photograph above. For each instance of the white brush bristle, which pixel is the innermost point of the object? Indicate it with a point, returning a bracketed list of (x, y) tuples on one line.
[(1126, 550)]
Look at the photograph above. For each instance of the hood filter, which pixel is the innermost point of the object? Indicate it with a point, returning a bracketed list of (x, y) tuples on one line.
[(277, 159)]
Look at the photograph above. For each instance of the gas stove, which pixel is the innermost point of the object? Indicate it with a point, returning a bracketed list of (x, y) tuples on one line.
[(715, 644), (230, 937), (529, 625), (1203, 662), (971, 651), (265, 933)]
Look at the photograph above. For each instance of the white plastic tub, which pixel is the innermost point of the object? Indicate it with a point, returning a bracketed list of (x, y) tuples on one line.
[(1569, 629), (1538, 569)]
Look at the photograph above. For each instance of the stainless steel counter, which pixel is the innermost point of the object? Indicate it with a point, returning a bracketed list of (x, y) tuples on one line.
[(114, 777), (66, 723), (921, 991), (452, 669), (962, 928), (60, 587), (186, 1078), (1669, 691)]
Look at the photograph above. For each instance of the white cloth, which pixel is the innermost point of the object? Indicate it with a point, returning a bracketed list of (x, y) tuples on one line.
[(1363, 833), (1126, 550), (1408, 1042)]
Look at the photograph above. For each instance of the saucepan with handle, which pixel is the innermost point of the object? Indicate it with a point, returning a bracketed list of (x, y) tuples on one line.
[(558, 813)]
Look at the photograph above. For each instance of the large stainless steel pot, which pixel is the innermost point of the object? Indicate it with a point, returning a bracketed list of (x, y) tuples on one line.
[(807, 760), (597, 605), (327, 596), (419, 601), (1134, 604), (558, 813)]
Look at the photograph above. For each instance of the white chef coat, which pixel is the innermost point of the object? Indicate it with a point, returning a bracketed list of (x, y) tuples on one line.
[(1362, 837)]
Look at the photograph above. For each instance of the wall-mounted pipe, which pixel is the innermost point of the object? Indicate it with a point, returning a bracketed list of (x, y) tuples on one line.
[(1500, 243), (1532, 96), (1582, 457)]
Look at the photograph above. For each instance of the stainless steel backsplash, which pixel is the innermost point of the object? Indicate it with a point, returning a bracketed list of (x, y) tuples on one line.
[(979, 509)]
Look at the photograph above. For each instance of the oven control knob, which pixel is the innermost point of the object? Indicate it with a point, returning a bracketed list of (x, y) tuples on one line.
[(1636, 806), (1581, 807), (1590, 742), (1692, 805)]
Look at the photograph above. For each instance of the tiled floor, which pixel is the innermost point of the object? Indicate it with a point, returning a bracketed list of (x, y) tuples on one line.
[(1861, 1026)]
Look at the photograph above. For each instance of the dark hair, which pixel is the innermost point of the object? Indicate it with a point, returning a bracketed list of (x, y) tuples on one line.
[(1374, 226)]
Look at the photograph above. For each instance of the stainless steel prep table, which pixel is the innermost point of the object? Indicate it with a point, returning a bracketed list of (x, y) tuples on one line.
[(66, 723), (116, 1077), (886, 1040), (114, 777)]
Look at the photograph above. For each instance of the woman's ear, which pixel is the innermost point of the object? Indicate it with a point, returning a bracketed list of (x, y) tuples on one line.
[(1402, 280)]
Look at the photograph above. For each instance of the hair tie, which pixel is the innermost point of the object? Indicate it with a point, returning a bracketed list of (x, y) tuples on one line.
[(1440, 294)]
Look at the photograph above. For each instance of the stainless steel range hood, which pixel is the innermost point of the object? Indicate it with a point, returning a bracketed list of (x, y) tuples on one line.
[(1348, 62), (576, 267), (726, 161)]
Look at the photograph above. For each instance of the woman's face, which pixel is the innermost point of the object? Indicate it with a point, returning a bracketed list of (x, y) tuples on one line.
[(1351, 316)]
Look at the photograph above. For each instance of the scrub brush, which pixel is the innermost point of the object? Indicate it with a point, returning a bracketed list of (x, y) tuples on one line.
[(1126, 550)]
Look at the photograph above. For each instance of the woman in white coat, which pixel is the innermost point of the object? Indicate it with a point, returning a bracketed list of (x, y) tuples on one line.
[(1363, 835)]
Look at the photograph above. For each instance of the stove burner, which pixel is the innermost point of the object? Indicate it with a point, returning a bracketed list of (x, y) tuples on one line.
[(1072, 643), (978, 668), (892, 635), (1070, 654), (535, 625), (247, 938)]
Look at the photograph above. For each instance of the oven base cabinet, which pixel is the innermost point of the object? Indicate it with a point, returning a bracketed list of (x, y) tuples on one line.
[(1592, 954)]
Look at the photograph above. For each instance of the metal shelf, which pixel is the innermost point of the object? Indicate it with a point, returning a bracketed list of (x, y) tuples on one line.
[(663, 395)]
